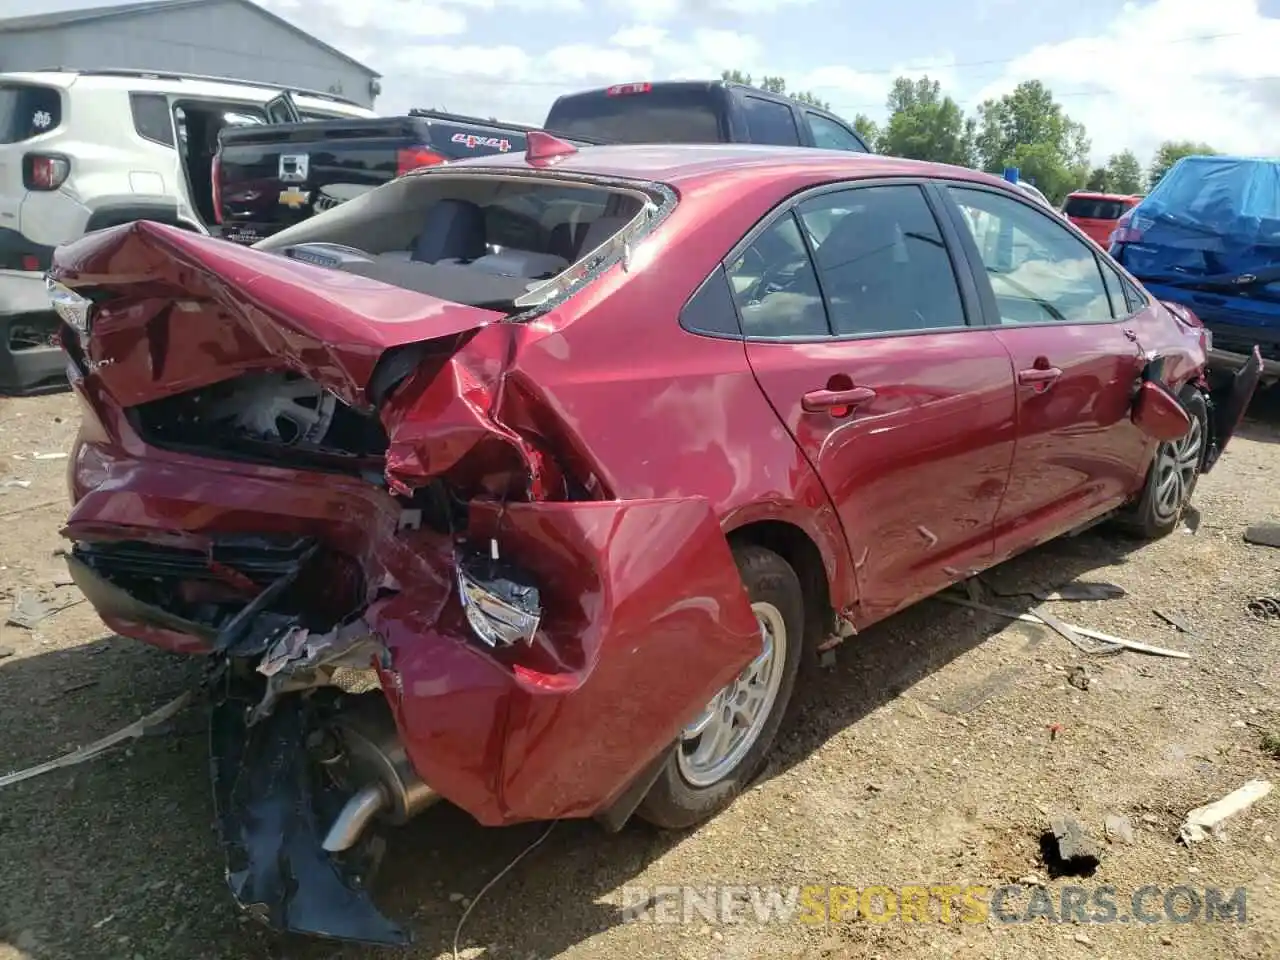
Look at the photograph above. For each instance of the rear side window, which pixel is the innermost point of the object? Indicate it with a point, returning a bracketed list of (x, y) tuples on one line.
[(830, 135), (1093, 208), (152, 118), (775, 287), (659, 115), (770, 122), (27, 110)]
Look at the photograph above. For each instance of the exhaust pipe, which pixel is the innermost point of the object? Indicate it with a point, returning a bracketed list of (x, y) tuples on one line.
[(387, 786)]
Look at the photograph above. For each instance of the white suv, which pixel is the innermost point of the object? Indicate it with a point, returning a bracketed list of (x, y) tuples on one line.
[(83, 150)]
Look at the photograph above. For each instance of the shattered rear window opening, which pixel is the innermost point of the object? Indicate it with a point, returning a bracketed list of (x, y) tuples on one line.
[(505, 241)]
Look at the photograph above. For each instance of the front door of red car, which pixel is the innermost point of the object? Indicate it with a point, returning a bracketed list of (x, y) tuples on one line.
[(905, 411), (1076, 364)]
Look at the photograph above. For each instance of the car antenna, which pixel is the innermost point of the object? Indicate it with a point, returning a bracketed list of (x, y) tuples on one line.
[(542, 146)]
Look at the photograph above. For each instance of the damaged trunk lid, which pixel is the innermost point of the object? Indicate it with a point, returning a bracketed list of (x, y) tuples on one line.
[(164, 311)]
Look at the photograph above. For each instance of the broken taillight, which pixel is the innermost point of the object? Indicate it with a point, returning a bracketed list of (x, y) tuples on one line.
[(501, 605), (411, 158), (69, 305)]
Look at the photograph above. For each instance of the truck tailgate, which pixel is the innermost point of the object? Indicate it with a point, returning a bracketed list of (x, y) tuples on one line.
[(273, 176)]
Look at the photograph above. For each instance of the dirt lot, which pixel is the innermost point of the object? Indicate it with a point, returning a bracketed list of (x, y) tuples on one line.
[(925, 755)]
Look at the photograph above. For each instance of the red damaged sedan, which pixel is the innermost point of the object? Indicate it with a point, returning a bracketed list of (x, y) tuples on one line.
[(528, 482)]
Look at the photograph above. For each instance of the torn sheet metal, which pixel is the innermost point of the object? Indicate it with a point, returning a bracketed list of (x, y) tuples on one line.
[(273, 809), (345, 657)]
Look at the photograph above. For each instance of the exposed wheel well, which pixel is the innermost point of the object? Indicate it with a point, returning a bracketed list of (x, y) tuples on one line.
[(795, 546)]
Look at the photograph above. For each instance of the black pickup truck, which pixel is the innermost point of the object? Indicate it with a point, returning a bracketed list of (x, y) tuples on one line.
[(271, 176)]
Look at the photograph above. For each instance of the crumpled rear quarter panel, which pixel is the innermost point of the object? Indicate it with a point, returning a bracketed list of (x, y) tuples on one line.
[(645, 618)]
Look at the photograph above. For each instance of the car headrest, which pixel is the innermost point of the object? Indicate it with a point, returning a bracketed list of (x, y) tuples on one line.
[(451, 230)]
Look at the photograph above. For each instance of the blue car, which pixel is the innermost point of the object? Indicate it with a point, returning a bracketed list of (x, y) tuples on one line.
[(1208, 237)]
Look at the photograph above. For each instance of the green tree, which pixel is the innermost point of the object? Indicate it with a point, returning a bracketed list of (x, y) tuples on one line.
[(1124, 173), (1028, 129), (776, 85), (925, 125), (868, 129), (1170, 152), (1099, 180)]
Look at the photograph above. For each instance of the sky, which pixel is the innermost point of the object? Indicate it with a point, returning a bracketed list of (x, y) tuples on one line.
[(1135, 73)]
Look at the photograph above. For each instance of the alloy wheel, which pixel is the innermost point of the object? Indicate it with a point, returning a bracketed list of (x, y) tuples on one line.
[(714, 744), (1177, 463)]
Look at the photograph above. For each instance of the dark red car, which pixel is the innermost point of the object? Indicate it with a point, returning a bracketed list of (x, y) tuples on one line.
[(528, 482), (1096, 213)]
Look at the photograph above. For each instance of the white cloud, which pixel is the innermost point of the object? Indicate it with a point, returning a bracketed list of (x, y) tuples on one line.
[(1166, 70), (412, 19), (658, 11)]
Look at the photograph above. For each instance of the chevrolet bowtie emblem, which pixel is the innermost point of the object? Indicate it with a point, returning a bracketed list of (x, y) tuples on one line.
[(293, 198)]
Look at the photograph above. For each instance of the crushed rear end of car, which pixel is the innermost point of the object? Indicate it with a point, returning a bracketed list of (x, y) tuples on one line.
[(323, 467)]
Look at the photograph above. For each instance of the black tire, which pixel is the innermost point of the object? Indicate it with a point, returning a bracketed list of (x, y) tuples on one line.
[(673, 802), (1153, 516)]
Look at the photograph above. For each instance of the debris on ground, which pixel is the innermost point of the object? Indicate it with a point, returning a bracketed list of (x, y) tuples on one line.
[(49, 456), (6, 652), (1069, 851), (1264, 608), (1206, 821), (1118, 828), (1078, 677), (1263, 534), (1110, 643), (1178, 623), (133, 731), (1191, 521), (29, 610), (1080, 590), (6, 485)]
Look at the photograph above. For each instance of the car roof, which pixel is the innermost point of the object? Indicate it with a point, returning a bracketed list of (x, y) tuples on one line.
[(687, 164), (1095, 195), (203, 87)]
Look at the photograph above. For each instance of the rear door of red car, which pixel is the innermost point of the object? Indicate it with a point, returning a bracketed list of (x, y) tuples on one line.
[(857, 326), (1076, 361)]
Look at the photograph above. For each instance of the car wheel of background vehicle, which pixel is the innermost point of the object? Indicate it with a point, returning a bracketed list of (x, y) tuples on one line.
[(725, 746), (1171, 479)]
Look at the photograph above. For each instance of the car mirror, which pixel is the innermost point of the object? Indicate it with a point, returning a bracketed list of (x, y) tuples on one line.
[(1158, 414)]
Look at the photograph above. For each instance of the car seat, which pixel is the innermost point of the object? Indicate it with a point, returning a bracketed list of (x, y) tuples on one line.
[(451, 230)]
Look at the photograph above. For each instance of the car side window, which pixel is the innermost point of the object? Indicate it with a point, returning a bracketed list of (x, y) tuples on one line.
[(882, 261), (152, 118), (770, 122), (1039, 271), (830, 135), (774, 285)]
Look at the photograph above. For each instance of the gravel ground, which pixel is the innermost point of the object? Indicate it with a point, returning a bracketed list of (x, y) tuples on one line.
[(935, 751)]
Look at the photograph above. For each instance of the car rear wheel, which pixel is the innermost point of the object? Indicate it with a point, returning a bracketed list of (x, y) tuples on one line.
[(1172, 477), (722, 748)]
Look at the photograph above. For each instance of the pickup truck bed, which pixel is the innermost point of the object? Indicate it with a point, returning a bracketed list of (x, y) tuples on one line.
[(273, 176)]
